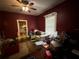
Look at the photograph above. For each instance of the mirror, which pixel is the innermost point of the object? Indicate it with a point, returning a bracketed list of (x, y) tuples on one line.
[(22, 29)]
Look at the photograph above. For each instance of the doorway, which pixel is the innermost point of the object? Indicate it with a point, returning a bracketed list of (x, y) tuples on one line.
[(22, 29)]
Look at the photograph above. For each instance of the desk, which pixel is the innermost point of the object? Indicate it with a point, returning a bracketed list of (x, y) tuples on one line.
[(55, 44)]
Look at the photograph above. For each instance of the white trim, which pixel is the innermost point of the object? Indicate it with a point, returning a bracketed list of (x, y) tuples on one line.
[(51, 14)]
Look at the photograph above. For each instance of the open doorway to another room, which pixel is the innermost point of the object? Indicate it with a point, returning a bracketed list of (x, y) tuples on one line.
[(22, 29)]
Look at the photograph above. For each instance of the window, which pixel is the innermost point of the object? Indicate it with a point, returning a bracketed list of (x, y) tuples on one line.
[(50, 23)]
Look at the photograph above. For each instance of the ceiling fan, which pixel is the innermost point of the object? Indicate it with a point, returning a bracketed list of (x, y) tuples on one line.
[(27, 5)]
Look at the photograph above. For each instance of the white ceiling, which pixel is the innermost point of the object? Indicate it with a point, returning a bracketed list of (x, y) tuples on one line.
[(40, 5)]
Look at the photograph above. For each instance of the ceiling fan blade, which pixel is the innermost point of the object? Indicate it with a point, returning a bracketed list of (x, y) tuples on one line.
[(25, 2), (14, 5), (29, 11), (19, 1), (30, 4), (33, 8)]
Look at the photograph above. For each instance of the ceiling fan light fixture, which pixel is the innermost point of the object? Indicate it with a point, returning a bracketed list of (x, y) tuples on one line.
[(25, 8), (27, 5)]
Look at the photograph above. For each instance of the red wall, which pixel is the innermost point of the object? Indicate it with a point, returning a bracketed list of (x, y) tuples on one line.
[(41, 22), (9, 22), (67, 16), (0, 21)]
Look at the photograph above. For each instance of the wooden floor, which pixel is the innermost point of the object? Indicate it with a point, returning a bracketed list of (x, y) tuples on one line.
[(25, 48)]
